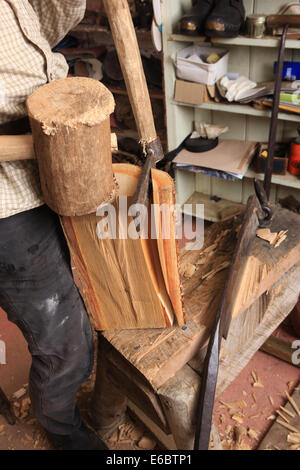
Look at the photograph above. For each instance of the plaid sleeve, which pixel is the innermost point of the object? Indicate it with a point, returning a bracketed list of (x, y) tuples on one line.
[(57, 17)]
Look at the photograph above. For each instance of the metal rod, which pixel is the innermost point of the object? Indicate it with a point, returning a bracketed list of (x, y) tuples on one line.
[(274, 117)]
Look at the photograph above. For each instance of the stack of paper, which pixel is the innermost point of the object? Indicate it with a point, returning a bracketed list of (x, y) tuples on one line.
[(230, 159)]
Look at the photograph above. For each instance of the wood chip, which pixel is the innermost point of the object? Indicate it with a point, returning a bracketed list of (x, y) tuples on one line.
[(237, 418), (258, 385), (189, 271), (244, 393), (254, 375), (293, 403), (253, 434), (287, 426), (19, 393), (274, 238), (237, 404), (271, 417), (271, 400), (293, 438), (282, 415), (288, 412), (290, 385), (228, 429)]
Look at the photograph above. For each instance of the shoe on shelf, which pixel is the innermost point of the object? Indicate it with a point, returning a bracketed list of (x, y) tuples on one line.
[(192, 23), (226, 19), (81, 439)]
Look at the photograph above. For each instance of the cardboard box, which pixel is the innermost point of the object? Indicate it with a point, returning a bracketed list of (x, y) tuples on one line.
[(190, 92)]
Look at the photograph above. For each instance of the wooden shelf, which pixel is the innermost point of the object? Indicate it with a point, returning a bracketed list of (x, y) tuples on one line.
[(240, 109), (214, 211), (268, 41), (287, 180)]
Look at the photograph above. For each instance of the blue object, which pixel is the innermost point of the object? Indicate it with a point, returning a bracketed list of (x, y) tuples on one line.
[(291, 70)]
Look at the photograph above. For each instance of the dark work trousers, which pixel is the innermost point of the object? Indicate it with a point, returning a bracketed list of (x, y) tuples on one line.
[(38, 294)]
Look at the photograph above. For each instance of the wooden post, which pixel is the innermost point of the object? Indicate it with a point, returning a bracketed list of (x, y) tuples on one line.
[(71, 131)]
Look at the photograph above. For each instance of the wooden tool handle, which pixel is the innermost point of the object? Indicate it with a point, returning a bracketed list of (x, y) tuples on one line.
[(16, 147), (282, 20), (130, 60), (20, 147)]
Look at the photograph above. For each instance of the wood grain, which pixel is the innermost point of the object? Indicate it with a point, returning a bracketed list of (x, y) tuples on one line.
[(71, 129), (121, 279), (124, 36), (158, 354)]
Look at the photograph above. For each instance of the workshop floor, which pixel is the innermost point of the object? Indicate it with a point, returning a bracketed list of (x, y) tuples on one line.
[(258, 404)]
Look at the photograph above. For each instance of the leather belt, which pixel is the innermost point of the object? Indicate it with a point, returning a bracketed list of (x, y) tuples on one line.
[(17, 127)]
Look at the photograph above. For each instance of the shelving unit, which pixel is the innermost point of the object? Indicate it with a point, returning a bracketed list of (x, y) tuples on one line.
[(267, 41), (253, 58), (241, 109)]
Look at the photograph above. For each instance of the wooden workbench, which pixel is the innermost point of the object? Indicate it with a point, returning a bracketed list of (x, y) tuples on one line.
[(159, 369)]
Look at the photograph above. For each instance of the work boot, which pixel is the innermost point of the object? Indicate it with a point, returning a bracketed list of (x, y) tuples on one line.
[(192, 23), (80, 439), (226, 19)]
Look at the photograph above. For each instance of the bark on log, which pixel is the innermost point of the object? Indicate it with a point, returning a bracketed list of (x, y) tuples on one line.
[(71, 129)]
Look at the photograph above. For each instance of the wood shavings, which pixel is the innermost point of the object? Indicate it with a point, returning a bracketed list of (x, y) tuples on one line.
[(254, 416), (290, 385), (254, 397), (244, 393), (189, 271), (236, 404), (228, 429), (293, 438), (288, 426), (271, 418), (237, 418), (282, 416), (271, 400), (253, 434), (293, 403), (274, 238), (212, 273), (19, 393), (257, 382), (288, 412)]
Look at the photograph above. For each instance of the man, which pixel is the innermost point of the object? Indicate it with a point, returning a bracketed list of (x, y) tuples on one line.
[(36, 286)]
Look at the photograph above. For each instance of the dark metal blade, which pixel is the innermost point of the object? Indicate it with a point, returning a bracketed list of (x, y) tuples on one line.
[(211, 363)]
